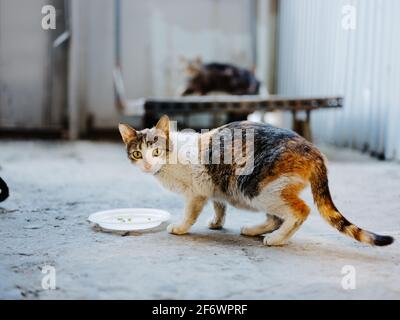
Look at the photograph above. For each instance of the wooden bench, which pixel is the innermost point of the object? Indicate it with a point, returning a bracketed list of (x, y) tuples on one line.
[(239, 105)]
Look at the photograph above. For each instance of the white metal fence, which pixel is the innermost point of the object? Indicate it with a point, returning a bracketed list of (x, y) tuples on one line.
[(319, 54)]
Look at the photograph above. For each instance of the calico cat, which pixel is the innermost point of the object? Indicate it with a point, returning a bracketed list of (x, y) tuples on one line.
[(4, 193), (219, 77), (270, 168)]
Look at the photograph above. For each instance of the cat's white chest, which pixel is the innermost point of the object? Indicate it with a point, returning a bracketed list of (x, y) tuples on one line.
[(185, 175), (176, 178), (186, 180)]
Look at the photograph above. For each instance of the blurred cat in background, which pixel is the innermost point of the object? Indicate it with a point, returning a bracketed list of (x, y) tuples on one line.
[(222, 78), (206, 78)]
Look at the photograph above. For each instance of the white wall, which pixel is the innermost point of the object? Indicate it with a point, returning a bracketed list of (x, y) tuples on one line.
[(94, 36), (317, 56), (154, 34), (266, 42)]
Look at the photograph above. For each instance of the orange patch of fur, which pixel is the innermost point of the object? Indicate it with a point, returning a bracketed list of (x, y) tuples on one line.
[(295, 161), (290, 194)]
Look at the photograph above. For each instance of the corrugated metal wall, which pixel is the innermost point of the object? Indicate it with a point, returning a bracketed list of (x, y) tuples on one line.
[(318, 56), (32, 72)]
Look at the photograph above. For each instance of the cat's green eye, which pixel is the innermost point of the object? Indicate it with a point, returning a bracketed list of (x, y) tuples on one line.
[(156, 152), (136, 155)]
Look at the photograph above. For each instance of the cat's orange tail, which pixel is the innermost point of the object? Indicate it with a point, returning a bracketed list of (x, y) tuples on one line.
[(328, 210)]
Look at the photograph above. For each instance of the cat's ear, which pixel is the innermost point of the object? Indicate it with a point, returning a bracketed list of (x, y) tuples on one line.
[(183, 61), (128, 134), (163, 125), (194, 67), (198, 61)]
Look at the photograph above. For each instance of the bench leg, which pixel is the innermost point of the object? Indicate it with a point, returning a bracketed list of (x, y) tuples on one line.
[(303, 127)]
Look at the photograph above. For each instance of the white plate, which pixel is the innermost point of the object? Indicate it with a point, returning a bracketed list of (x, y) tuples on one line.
[(133, 219)]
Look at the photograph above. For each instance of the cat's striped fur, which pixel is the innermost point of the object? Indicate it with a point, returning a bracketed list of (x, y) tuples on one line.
[(283, 165)]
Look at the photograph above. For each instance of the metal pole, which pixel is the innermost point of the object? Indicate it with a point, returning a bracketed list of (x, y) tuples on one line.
[(117, 31), (73, 72)]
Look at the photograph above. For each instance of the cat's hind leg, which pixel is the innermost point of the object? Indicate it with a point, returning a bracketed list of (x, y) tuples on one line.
[(193, 208), (218, 220), (294, 212), (281, 236), (271, 224)]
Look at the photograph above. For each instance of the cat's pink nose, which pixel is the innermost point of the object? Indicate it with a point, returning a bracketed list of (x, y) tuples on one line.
[(147, 167)]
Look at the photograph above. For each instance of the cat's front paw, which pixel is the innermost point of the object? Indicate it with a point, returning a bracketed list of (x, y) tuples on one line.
[(176, 229)]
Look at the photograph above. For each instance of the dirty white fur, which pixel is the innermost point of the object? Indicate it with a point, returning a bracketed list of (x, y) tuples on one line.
[(183, 173), (270, 201), (189, 178)]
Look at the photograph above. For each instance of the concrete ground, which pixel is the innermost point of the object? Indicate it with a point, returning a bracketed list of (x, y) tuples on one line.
[(56, 185)]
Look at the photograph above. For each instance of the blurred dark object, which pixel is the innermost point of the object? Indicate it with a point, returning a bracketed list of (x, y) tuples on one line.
[(219, 77), (4, 192)]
